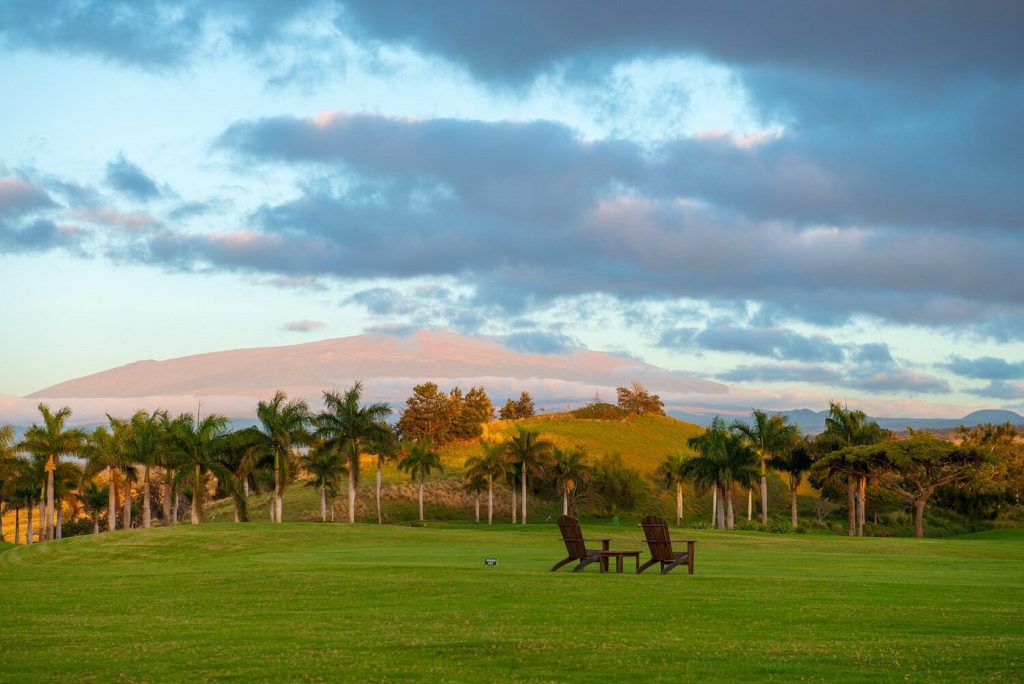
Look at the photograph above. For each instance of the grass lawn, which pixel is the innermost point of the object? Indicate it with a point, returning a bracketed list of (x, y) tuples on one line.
[(340, 602)]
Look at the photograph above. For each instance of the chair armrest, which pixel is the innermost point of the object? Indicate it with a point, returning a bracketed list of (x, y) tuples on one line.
[(604, 543), (683, 541)]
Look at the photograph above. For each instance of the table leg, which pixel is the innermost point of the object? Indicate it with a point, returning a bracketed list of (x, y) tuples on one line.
[(618, 565), (637, 559)]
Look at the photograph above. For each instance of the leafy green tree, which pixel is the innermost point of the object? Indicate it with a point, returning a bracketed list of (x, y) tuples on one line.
[(327, 464), (845, 428), (489, 466), (352, 429), (477, 410), (284, 425), (672, 473), (723, 460), (619, 487), (917, 467), (638, 400), (795, 462), (50, 441), (518, 409), (570, 470), (1000, 481), (427, 415), (419, 461), (94, 499), (531, 455), (768, 437)]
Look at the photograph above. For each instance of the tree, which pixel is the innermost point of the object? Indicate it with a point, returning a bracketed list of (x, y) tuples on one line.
[(50, 441), (638, 400), (242, 453), (490, 465), (672, 473), (94, 498), (570, 469), (146, 439), (723, 460), (283, 424), (846, 428), (419, 462), (917, 467), (619, 487), (427, 415), (794, 461), (326, 463), (7, 471), (106, 449), (352, 429), (531, 455), (999, 481), (202, 445), (518, 409), (386, 450), (474, 411), (768, 437)]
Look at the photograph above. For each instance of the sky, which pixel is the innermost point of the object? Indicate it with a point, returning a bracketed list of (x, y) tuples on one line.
[(803, 200)]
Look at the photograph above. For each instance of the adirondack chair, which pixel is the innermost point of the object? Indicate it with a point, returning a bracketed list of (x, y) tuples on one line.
[(572, 535), (656, 533)]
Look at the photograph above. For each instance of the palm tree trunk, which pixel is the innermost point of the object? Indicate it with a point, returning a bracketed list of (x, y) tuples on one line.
[(43, 525), (197, 493), (60, 518), (273, 505), (166, 495), (721, 507), (524, 496), (127, 504), (862, 496), (714, 506), (236, 517), (17, 525), (515, 510), (276, 512), (764, 495), (95, 524), (679, 504), (111, 501), (147, 516), (565, 500), (792, 508), (750, 503), (380, 517), (351, 494), (730, 520), (28, 530), (476, 504), (174, 507), (421, 497), (49, 503), (323, 504), (490, 501), (851, 505)]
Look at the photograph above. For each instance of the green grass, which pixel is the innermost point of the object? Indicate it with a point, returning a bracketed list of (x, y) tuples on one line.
[(339, 602)]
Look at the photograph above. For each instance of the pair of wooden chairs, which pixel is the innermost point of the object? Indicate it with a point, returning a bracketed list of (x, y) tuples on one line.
[(655, 533)]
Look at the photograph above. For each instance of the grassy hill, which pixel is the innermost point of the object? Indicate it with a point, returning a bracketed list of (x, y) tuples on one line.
[(642, 441), (357, 603)]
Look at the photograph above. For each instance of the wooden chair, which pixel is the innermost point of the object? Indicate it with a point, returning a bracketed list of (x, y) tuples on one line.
[(572, 535), (656, 533)]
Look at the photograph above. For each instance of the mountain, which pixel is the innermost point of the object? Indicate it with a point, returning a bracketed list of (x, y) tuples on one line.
[(813, 422), (388, 365)]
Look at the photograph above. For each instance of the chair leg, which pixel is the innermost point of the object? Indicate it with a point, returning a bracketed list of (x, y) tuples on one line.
[(645, 566), (583, 564), (561, 563)]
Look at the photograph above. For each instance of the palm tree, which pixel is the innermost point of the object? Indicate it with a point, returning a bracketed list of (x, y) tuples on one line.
[(846, 428), (722, 461), (531, 454), (283, 424), (66, 479), (326, 464), (25, 478), (7, 470), (491, 464), (769, 437), (202, 446), (794, 461), (243, 451), (50, 441), (146, 440), (106, 450), (570, 469), (386, 450), (94, 498), (352, 429), (672, 472), (475, 485), (418, 463)]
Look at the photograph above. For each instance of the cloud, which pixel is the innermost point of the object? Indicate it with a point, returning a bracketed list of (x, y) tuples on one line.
[(19, 197), (776, 342), (40, 235), (108, 216), (303, 326), (985, 368), (802, 373), (897, 380), (1000, 389), (130, 180), (540, 342)]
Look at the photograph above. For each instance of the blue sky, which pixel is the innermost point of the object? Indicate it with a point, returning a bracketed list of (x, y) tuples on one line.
[(803, 201)]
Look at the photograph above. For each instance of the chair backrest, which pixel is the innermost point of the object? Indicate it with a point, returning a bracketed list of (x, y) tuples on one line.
[(656, 533), (572, 535)]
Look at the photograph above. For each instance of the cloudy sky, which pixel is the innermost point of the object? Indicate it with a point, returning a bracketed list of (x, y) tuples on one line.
[(806, 200)]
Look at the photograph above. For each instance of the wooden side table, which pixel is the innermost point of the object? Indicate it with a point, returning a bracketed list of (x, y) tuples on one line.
[(618, 556)]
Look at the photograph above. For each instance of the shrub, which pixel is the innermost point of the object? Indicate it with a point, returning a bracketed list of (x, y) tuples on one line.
[(600, 411)]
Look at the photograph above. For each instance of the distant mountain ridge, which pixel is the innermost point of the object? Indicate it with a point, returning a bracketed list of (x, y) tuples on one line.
[(812, 422)]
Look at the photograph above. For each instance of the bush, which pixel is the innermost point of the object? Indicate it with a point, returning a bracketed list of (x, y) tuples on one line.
[(618, 487), (600, 411)]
